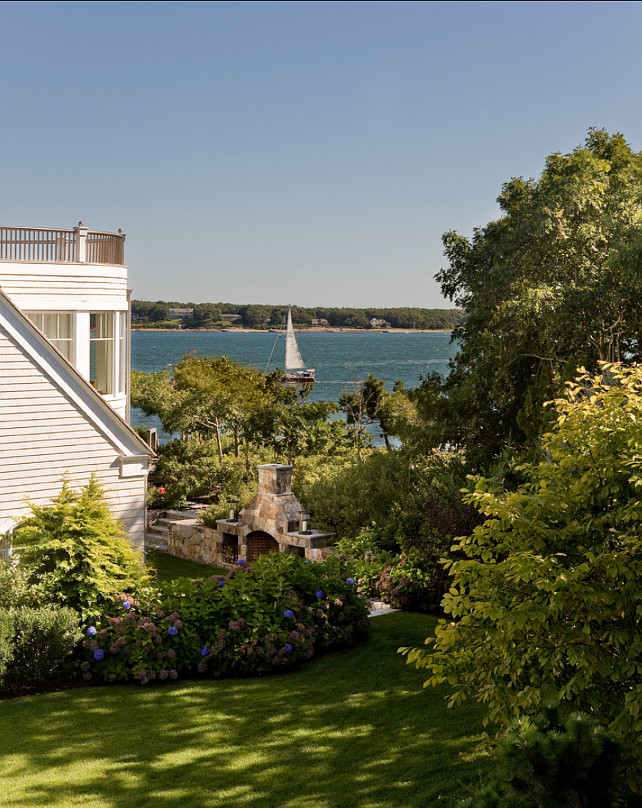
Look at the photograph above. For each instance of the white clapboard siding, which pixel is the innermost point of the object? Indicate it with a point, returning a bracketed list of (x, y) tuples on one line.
[(44, 436), (63, 287)]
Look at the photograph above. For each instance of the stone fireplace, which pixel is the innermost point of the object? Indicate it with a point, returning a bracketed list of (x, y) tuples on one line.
[(270, 522)]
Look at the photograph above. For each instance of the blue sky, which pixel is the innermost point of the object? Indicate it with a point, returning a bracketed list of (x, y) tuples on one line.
[(303, 152)]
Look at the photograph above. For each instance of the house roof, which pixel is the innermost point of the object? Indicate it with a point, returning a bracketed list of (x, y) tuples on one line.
[(72, 384)]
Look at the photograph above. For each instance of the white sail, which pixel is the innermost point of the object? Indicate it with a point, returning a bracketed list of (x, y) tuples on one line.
[(293, 358)]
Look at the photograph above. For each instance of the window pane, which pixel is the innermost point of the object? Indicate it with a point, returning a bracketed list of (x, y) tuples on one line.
[(101, 351), (58, 328), (50, 328), (65, 326), (36, 318), (122, 351)]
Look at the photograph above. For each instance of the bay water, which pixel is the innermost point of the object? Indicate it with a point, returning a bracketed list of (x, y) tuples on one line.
[(341, 359)]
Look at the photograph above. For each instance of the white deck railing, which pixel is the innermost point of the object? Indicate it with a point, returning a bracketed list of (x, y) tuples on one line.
[(45, 245)]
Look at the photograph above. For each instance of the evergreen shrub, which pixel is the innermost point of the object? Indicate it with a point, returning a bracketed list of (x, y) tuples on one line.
[(36, 645), (549, 762), (268, 615), (75, 552)]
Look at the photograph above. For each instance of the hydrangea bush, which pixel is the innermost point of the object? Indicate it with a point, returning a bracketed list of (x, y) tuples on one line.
[(268, 615), (408, 583)]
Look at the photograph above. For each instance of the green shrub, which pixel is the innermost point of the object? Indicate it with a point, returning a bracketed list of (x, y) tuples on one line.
[(260, 617), (366, 560), (409, 583), (6, 641), (547, 762), (14, 585), (37, 644), (75, 553), (545, 594), (191, 470)]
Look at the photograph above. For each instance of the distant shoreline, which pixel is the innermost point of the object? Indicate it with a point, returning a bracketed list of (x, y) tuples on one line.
[(311, 330)]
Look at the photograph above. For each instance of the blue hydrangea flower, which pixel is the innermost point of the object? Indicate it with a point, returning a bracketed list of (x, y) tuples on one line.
[(91, 631), (241, 561), (350, 581), (220, 582), (307, 561), (320, 594), (288, 613), (98, 654), (288, 647), (172, 631), (205, 650), (127, 604)]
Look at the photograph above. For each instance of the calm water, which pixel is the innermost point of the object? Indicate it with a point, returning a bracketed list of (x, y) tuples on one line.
[(340, 360)]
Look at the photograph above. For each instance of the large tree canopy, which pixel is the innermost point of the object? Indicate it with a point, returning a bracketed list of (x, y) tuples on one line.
[(553, 284)]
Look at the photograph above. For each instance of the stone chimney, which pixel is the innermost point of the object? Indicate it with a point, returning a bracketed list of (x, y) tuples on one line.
[(275, 479)]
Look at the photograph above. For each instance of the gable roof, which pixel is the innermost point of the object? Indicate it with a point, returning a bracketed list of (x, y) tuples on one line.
[(70, 382)]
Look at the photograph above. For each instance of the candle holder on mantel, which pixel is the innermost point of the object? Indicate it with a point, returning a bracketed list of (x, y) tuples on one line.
[(233, 507), (304, 522)]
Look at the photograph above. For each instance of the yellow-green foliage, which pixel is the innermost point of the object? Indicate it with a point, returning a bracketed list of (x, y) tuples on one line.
[(547, 591), (75, 551)]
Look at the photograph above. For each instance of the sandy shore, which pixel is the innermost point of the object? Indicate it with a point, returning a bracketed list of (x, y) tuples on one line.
[(311, 330)]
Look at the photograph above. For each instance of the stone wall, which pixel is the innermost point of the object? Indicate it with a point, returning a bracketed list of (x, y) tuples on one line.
[(193, 541)]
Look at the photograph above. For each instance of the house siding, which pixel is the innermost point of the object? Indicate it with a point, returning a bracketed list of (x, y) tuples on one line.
[(52, 287), (44, 436)]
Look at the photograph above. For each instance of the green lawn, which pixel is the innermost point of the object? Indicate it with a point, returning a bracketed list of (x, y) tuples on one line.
[(349, 730), (168, 567)]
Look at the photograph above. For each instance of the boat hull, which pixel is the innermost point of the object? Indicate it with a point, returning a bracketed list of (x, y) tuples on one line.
[(299, 376)]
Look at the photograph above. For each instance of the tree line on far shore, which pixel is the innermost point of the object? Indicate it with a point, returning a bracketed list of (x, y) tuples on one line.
[(208, 315)]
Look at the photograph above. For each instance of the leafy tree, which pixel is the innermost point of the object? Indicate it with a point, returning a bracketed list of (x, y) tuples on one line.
[(294, 428), (206, 315), (150, 311), (76, 553), (546, 591), (223, 395), (552, 285), (256, 316), (366, 405)]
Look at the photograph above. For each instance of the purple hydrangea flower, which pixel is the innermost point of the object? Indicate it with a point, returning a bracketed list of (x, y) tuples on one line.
[(320, 594), (127, 604), (220, 582), (98, 654), (241, 561), (91, 631), (288, 647), (350, 581), (205, 650), (288, 613), (172, 631)]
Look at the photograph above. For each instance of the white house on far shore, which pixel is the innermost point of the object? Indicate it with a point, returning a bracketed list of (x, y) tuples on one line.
[(64, 373)]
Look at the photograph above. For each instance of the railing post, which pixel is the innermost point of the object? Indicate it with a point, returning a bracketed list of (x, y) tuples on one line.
[(81, 243)]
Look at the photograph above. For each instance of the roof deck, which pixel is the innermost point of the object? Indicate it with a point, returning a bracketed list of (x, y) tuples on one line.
[(45, 245)]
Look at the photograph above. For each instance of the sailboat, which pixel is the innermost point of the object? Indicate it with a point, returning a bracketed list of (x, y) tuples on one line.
[(295, 369)]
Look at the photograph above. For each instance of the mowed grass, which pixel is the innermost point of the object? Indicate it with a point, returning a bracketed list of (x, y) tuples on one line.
[(168, 567), (351, 729)]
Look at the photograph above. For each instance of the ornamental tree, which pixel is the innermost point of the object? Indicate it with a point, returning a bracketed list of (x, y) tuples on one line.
[(546, 594)]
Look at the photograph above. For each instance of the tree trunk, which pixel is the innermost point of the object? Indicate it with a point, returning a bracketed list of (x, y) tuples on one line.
[(218, 440)]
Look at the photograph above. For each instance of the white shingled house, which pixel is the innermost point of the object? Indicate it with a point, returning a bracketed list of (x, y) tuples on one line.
[(64, 373)]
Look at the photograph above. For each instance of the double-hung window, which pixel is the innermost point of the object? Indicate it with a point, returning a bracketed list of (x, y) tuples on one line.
[(58, 327)]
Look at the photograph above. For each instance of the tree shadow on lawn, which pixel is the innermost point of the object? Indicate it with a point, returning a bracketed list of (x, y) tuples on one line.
[(352, 729)]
